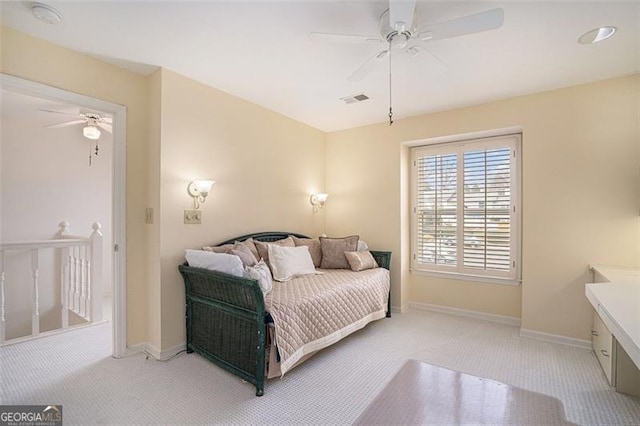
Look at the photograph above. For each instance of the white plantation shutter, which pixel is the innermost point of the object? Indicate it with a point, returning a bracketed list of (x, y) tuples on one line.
[(437, 209), (465, 208)]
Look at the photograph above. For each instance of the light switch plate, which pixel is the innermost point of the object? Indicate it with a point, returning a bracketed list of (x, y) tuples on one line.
[(148, 215), (192, 217)]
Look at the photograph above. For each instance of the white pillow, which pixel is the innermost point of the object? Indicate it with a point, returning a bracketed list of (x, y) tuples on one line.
[(288, 262), (220, 262), (262, 274), (362, 246)]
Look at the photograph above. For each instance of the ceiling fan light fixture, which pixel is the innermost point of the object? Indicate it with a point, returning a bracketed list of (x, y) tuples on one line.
[(46, 13), (91, 132), (597, 35)]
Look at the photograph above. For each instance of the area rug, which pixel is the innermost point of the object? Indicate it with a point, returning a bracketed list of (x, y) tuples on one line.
[(421, 393)]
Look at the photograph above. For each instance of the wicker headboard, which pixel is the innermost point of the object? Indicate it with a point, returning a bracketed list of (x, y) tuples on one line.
[(267, 237)]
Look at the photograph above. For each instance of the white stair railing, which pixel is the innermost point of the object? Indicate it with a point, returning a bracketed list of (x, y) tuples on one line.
[(80, 278)]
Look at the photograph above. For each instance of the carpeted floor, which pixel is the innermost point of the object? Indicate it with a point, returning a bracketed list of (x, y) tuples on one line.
[(334, 387)]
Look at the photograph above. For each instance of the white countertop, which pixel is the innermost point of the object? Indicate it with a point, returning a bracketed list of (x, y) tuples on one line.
[(618, 304)]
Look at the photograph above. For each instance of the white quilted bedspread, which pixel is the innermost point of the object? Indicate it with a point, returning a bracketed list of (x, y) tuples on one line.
[(314, 311)]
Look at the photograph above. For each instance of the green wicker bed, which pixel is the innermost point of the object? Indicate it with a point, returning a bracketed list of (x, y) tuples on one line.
[(226, 317)]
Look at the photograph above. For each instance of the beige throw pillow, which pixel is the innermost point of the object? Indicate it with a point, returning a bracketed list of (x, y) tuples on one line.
[(242, 251), (263, 248), (219, 249), (315, 249), (360, 260), (250, 243), (333, 251)]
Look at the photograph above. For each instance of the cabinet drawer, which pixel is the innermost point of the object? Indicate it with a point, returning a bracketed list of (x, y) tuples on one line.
[(602, 342)]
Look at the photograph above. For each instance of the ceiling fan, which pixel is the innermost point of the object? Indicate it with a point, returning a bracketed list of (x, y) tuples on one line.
[(399, 29), (91, 123)]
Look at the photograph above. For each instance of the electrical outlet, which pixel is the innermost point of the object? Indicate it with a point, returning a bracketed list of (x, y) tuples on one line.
[(148, 215), (192, 217)]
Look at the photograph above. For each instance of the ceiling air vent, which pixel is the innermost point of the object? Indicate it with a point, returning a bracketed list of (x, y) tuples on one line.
[(354, 98)]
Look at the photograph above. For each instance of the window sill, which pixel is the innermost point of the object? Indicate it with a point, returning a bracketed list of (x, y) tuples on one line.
[(466, 277)]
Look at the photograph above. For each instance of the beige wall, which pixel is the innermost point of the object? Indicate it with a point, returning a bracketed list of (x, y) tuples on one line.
[(265, 166), (581, 157), (33, 59)]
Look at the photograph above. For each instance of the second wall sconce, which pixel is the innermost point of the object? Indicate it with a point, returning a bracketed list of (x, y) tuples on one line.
[(199, 189), (318, 200)]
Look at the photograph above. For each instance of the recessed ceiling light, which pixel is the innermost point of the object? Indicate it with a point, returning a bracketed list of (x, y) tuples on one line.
[(597, 35), (45, 13)]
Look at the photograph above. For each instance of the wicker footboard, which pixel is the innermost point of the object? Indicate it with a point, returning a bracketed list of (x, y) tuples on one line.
[(226, 322)]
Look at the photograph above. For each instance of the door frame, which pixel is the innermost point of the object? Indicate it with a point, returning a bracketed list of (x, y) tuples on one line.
[(119, 112)]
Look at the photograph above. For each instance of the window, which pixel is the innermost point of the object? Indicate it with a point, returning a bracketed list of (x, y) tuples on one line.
[(466, 209)]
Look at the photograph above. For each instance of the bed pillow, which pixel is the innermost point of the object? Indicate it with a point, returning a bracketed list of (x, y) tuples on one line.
[(250, 244), (244, 253), (362, 246), (219, 249), (290, 262), (315, 249), (333, 251), (261, 273), (360, 260), (220, 262), (263, 248)]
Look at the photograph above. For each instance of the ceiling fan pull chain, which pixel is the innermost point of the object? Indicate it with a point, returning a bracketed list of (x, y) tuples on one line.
[(390, 103), (89, 155)]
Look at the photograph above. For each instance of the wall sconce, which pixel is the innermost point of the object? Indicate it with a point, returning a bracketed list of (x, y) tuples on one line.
[(318, 200), (199, 189)]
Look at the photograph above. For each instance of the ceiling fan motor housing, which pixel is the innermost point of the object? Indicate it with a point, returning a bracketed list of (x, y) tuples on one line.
[(397, 35)]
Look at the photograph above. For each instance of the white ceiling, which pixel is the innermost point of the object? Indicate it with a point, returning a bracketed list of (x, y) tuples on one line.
[(260, 51)]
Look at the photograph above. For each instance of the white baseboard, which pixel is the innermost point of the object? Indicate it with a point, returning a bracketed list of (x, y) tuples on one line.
[(502, 319), (555, 338), (135, 349), (155, 352), (399, 309)]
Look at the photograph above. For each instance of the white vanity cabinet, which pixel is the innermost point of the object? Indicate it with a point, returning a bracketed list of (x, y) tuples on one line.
[(615, 334), (602, 341)]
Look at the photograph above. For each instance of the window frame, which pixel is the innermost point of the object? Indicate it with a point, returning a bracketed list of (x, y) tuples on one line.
[(459, 147)]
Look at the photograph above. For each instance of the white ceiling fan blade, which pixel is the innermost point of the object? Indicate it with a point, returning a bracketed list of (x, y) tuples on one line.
[(105, 126), (106, 120), (65, 124), (483, 21), (60, 112), (401, 14), (433, 65), (344, 38), (368, 66)]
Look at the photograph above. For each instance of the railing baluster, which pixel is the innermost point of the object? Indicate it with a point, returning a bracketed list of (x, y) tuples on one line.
[(2, 320), (77, 279), (35, 308), (70, 278), (83, 282), (64, 287), (88, 300)]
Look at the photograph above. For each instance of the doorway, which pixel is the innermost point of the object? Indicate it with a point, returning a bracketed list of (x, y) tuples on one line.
[(113, 158)]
